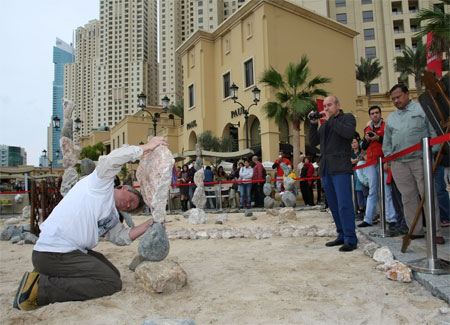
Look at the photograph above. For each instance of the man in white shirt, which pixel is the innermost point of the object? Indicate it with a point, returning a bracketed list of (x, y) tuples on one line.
[(66, 267)]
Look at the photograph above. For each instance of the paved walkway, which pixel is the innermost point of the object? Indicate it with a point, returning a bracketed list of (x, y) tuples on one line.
[(438, 285)]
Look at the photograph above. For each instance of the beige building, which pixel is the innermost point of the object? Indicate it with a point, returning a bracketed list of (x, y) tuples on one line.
[(254, 38), (385, 29)]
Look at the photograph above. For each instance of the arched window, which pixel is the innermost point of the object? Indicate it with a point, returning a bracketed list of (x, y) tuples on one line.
[(192, 140), (284, 131), (255, 133)]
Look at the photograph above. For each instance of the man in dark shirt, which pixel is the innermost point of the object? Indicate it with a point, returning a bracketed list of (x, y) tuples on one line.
[(335, 137)]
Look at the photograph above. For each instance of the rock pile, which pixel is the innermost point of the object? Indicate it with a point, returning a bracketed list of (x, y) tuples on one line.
[(394, 269)]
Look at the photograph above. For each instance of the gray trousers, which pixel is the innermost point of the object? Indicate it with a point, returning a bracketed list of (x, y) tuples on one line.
[(74, 276), (409, 179)]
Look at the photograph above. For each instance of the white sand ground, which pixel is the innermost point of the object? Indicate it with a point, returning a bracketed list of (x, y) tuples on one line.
[(240, 281)]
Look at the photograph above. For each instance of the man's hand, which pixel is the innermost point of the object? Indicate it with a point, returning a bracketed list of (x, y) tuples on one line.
[(153, 143), (312, 121)]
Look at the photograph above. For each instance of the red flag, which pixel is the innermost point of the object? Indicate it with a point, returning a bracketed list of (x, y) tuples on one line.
[(434, 61), (319, 103)]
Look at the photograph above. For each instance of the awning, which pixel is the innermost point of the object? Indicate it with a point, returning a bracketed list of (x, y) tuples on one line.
[(215, 154)]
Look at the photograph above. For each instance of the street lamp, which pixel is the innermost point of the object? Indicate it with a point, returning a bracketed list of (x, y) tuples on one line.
[(50, 162), (142, 99), (256, 98), (56, 120)]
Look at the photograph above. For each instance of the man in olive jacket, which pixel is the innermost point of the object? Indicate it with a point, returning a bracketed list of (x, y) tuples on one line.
[(335, 138)]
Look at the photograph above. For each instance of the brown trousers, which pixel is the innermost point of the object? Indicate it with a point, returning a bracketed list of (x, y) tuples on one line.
[(409, 179), (74, 276)]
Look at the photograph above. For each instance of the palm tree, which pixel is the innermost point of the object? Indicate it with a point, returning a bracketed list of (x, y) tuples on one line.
[(437, 22), (178, 109), (412, 63), (367, 71), (295, 96)]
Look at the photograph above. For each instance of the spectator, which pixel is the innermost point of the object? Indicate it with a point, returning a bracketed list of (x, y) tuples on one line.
[(361, 182), (300, 164), (183, 178), (373, 142), (257, 188), (209, 177), (306, 186), (234, 193), (192, 187), (335, 137), (280, 173), (246, 174), (405, 127), (356, 152)]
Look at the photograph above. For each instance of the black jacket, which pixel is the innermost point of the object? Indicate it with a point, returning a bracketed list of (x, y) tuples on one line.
[(335, 149)]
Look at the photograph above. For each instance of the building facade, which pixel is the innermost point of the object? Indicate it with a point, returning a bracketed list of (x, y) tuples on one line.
[(385, 29), (255, 38), (63, 53), (12, 156)]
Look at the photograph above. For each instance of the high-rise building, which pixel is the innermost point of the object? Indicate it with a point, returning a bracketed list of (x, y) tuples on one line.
[(127, 63), (79, 76), (12, 156), (63, 53), (385, 29), (179, 19)]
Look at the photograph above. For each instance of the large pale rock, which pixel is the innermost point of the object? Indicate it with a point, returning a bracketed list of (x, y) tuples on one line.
[(269, 202), (289, 183), (383, 255), (370, 248), (10, 231), (68, 107), (199, 198), (288, 198), (154, 175), (287, 214), (67, 129), (160, 277), (199, 177), (26, 212), (70, 152), (154, 244), (400, 272), (70, 178), (12, 221), (197, 216)]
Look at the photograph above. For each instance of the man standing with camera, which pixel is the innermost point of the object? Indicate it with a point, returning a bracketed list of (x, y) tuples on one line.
[(373, 143), (335, 138)]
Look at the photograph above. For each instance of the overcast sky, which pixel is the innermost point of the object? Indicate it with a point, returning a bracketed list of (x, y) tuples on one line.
[(28, 33)]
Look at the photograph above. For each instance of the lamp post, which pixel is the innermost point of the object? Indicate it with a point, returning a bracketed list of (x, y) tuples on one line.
[(56, 120), (50, 162), (142, 105), (256, 98)]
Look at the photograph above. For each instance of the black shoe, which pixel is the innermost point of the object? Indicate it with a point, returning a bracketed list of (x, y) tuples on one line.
[(402, 229), (335, 242), (347, 247), (364, 224), (359, 217)]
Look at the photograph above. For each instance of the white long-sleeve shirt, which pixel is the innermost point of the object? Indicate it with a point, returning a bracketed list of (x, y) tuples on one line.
[(245, 173), (88, 210)]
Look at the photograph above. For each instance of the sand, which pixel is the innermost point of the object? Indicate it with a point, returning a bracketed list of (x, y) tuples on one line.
[(240, 281)]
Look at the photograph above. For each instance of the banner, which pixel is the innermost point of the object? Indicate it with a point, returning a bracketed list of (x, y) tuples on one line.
[(434, 61)]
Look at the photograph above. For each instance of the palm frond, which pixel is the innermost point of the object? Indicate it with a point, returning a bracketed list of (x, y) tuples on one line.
[(272, 78), (275, 111)]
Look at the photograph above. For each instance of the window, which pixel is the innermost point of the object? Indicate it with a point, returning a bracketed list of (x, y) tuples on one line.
[(191, 96), (248, 69), (369, 34), (367, 16), (374, 89), (341, 18), (226, 85), (340, 3), (200, 11), (366, 2), (371, 52)]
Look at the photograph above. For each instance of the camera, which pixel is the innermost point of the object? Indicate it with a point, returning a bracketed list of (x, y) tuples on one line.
[(371, 134), (315, 116)]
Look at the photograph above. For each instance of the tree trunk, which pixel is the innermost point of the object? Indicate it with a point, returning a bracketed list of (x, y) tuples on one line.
[(296, 149), (418, 86), (367, 90)]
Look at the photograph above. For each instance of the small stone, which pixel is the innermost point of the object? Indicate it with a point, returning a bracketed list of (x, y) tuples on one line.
[(222, 218), (370, 248), (383, 255), (444, 310), (400, 272), (30, 238), (15, 239), (168, 321), (286, 232), (202, 235), (248, 213), (186, 214), (272, 212), (154, 244), (234, 211), (12, 221), (280, 222), (287, 214), (266, 235), (253, 218), (160, 277), (26, 228), (26, 212), (227, 235), (138, 259)]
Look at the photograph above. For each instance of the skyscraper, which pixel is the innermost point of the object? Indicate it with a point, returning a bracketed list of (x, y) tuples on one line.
[(62, 53)]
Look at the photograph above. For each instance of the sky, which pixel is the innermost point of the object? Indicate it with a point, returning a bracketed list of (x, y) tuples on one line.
[(29, 29)]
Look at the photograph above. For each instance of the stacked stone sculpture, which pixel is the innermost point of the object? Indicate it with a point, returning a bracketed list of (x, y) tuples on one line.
[(269, 202), (197, 215), (154, 177), (70, 151), (288, 197)]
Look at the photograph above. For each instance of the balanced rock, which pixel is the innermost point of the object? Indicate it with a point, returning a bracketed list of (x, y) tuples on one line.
[(70, 178), (288, 198), (87, 166), (67, 130), (199, 197), (267, 189), (154, 244), (160, 277), (289, 184), (197, 216), (287, 214), (269, 202), (138, 259)]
